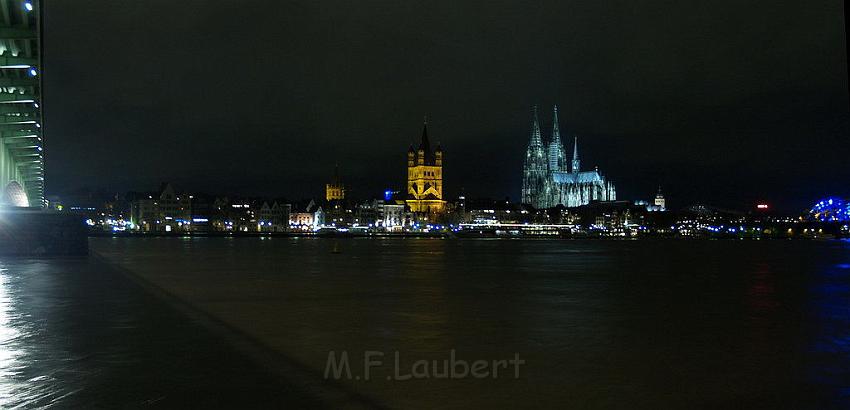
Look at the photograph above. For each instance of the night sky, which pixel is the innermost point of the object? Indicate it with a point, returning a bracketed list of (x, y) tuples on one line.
[(720, 102)]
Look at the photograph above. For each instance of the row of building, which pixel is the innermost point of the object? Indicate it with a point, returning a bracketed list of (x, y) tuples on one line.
[(548, 183), (169, 210)]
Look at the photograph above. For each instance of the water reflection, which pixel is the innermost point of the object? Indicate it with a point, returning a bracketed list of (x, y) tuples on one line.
[(9, 349), (637, 323), (830, 339), (27, 368), (602, 324), (76, 334)]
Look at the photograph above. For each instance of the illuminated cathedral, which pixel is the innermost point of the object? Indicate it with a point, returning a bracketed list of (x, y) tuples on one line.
[(549, 181)]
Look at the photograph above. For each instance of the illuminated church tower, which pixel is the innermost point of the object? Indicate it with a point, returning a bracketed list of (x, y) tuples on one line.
[(335, 191), (557, 156), (425, 177), (535, 168)]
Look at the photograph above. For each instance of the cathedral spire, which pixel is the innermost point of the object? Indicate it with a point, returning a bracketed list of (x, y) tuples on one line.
[(557, 156), (576, 162), (535, 168), (536, 136), (556, 132)]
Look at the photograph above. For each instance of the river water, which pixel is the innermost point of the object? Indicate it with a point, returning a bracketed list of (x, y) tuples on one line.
[(597, 324)]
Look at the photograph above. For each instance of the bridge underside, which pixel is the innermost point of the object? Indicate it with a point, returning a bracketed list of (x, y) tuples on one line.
[(21, 127)]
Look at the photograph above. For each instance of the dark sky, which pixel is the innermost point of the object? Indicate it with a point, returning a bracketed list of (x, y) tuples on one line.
[(723, 102)]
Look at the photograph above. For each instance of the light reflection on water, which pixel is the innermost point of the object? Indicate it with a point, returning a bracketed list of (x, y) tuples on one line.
[(27, 369), (830, 338), (8, 344), (76, 334), (612, 324), (602, 324)]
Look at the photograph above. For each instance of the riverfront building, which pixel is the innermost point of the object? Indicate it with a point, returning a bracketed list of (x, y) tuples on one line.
[(163, 211), (425, 177), (21, 126), (548, 180), (306, 217)]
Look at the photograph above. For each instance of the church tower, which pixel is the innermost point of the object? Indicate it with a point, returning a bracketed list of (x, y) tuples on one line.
[(425, 177), (335, 191), (659, 201), (536, 168), (557, 156)]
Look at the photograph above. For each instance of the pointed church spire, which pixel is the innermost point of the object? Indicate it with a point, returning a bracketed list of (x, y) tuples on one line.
[(576, 162), (536, 137), (555, 150), (425, 145), (556, 132)]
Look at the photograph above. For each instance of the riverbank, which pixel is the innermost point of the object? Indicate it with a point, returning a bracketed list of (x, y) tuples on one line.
[(294, 234), (453, 235)]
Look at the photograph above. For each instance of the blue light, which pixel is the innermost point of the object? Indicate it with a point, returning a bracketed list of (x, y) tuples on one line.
[(831, 210), (388, 195), (28, 6), (33, 72)]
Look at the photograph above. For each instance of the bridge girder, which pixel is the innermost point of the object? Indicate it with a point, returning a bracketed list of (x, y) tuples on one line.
[(6, 109), (19, 134), (25, 96), (18, 120), (16, 33), (7, 59), (20, 94), (18, 81)]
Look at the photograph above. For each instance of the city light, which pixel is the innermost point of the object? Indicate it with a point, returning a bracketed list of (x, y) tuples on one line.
[(831, 210)]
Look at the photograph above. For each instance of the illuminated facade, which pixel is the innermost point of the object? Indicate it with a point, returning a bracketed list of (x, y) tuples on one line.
[(307, 218), (335, 191), (21, 143), (425, 177), (165, 212), (547, 180)]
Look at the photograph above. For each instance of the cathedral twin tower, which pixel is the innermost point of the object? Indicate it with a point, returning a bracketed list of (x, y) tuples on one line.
[(547, 179)]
